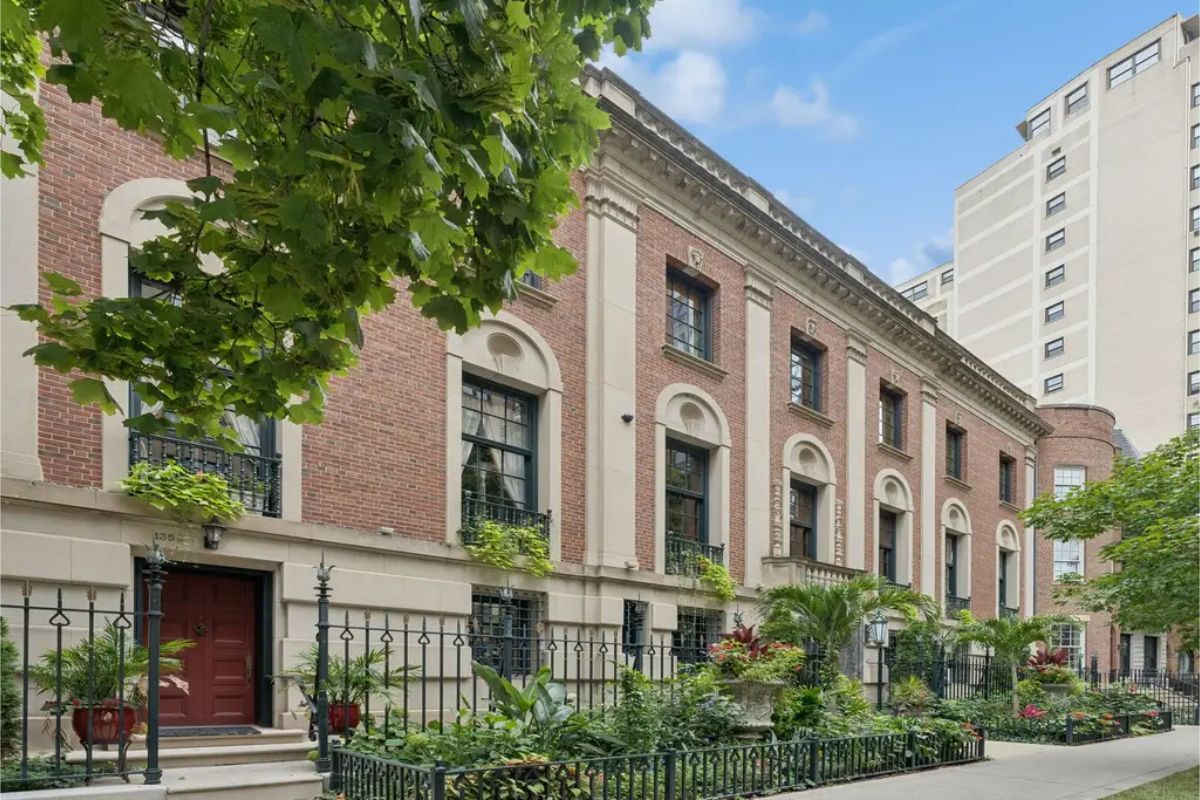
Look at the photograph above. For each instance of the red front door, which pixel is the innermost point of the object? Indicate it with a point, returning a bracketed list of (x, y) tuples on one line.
[(218, 613)]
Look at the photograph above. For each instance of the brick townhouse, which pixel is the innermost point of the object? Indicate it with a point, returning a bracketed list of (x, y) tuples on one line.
[(716, 378)]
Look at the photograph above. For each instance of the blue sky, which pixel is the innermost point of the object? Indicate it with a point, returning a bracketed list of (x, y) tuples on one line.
[(865, 115)]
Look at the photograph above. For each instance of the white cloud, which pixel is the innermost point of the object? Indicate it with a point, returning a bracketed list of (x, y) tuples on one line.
[(929, 253), (700, 24), (690, 86), (796, 108), (813, 21)]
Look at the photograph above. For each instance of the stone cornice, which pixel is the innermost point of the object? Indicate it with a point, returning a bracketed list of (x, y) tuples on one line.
[(711, 187)]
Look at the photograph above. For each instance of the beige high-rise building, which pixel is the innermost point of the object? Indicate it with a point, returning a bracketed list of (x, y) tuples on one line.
[(1076, 266)]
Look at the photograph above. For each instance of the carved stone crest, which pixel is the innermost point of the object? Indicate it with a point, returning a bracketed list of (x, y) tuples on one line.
[(695, 258), (810, 326), (776, 519)]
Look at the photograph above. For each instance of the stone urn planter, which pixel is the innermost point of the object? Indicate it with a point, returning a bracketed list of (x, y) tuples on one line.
[(1058, 689), (757, 699)]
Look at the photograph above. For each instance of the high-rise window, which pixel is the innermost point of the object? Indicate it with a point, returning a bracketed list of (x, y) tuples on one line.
[(1195, 95), (1008, 471), (1056, 167), (688, 315), (891, 417), (806, 375), (1055, 347), (947, 277), (955, 443), (1196, 218), (1194, 183), (1194, 260), (1195, 136), (1193, 420), (887, 545), (1194, 343), (1056, 311), (1039, 124), (498, 427), (1052, 384), (802, 520), (1126, 68), (1056, 275), (1193, 301), (1056, 240), (917, 292), (1077, 99), (1194, 382), (1056, 204)]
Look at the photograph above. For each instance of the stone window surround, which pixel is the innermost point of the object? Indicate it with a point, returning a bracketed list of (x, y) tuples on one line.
[(807, 460), (892, 493), (690, 415), (122, 227), (508, 351), (1008, 541), (956, 521)]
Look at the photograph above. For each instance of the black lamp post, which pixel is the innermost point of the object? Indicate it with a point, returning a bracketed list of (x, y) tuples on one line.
[(877, 630)]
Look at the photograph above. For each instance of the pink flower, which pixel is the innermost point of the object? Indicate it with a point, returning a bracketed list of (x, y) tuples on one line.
[(1152, 714), (1031, 712)]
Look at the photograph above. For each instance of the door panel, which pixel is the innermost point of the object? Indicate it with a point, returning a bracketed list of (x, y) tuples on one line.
[(219, 614)]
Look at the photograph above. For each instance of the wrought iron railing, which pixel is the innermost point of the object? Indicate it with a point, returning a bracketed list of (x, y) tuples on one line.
[(1009, 613), (254, 480), (475, 511), (683, 555), (96, 683), (708, 773), (955, 604)]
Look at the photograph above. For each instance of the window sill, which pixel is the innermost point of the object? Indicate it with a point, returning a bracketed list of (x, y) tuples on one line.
[(537, 297), (1010, 506), (707, 367), (893, 451), (811, 413), (953, 481)]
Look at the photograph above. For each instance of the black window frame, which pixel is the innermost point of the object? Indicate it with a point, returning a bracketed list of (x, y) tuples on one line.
[(1130, 67), (1002, 579), (1008, 478), (1193, 342), (891, 405), (1056, 240), (701, 496), (1049, 350), (695, 630), (1058, 381), (918, 291), (1193, 301), (533, 280), (947, 277), (953, 539), (1054, 207), (807, 529), (1053, 315), (1056, 275), (681, 286), (1194, 259), (635, 634), (1195, 95), (1195, 136), (1079, 103), (1150, 653), (529, 453), (810, 396), (1194, 178), (1039, 124), (1194, 224), (956, 439), (485, 631), (1056, 167), (1192, 420), (1194, 382), (887, 544)]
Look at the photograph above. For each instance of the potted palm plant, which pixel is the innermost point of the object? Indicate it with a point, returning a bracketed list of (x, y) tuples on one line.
[(348, 682), (101, 681)]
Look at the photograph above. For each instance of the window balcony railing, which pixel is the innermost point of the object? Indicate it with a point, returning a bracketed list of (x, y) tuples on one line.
[(1009, 613), (254, 480), (683, 555), (475, 511), (896, 584), (955, 604)]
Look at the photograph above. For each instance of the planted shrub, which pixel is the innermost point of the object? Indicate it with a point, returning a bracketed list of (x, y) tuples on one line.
[(10, 695)]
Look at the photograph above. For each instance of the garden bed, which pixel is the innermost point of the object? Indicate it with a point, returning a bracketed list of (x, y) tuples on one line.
[(710, 773), (1078, 728)]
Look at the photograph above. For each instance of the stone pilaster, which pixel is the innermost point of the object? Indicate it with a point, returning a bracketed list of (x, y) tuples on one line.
[(758, 423), (928, 500), (856, 450), (1031, 538)]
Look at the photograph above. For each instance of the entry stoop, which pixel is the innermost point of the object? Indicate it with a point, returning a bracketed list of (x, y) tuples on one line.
[(283, 780), (267, 745)]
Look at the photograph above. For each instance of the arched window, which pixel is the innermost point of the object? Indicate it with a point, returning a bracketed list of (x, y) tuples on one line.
[(503, 429), (893, 527), (1008, 570), (811, 485), (956, 553), (692, 479)]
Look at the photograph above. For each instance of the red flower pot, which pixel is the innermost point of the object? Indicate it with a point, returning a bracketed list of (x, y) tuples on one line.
[(110, 725), (343, 716)]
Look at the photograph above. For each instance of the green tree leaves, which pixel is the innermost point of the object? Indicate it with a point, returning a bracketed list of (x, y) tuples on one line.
[(1154, 503), (370, 145)]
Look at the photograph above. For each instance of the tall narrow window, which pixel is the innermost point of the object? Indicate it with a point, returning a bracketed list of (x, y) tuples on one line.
[(697, 628), (951, 565), (806, 375), (1056, 311), (1008, 468), (1052, 384), (686, 507), (802, 516), (1055, 347), (1002, 580), (1056, 167), (891, 417), (1039, 124), (1056, 240), (887, 545), (1150, 653), (955, 437), (1068, 555), (1077, 99), (633, 631), (1056, 204), (688, 313), (497, 451), (503, 629), (1056, 275)]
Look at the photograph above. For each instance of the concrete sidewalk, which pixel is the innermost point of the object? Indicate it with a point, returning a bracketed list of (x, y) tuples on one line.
[(1037, 771)]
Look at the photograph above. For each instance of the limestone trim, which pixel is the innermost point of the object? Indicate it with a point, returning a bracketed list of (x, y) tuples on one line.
[(807, 460), (1008, 541), (605, 198), (690, 415), (892, 493), (506, 350), (122, 226), (688, 360), (759, 287), (956, 520)]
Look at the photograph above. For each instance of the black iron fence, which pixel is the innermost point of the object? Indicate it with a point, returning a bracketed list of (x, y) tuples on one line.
[(712, 773), (1177, 692), (98, 680), (253, 478), (682, 556), (1079, 727), (955, 604)]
